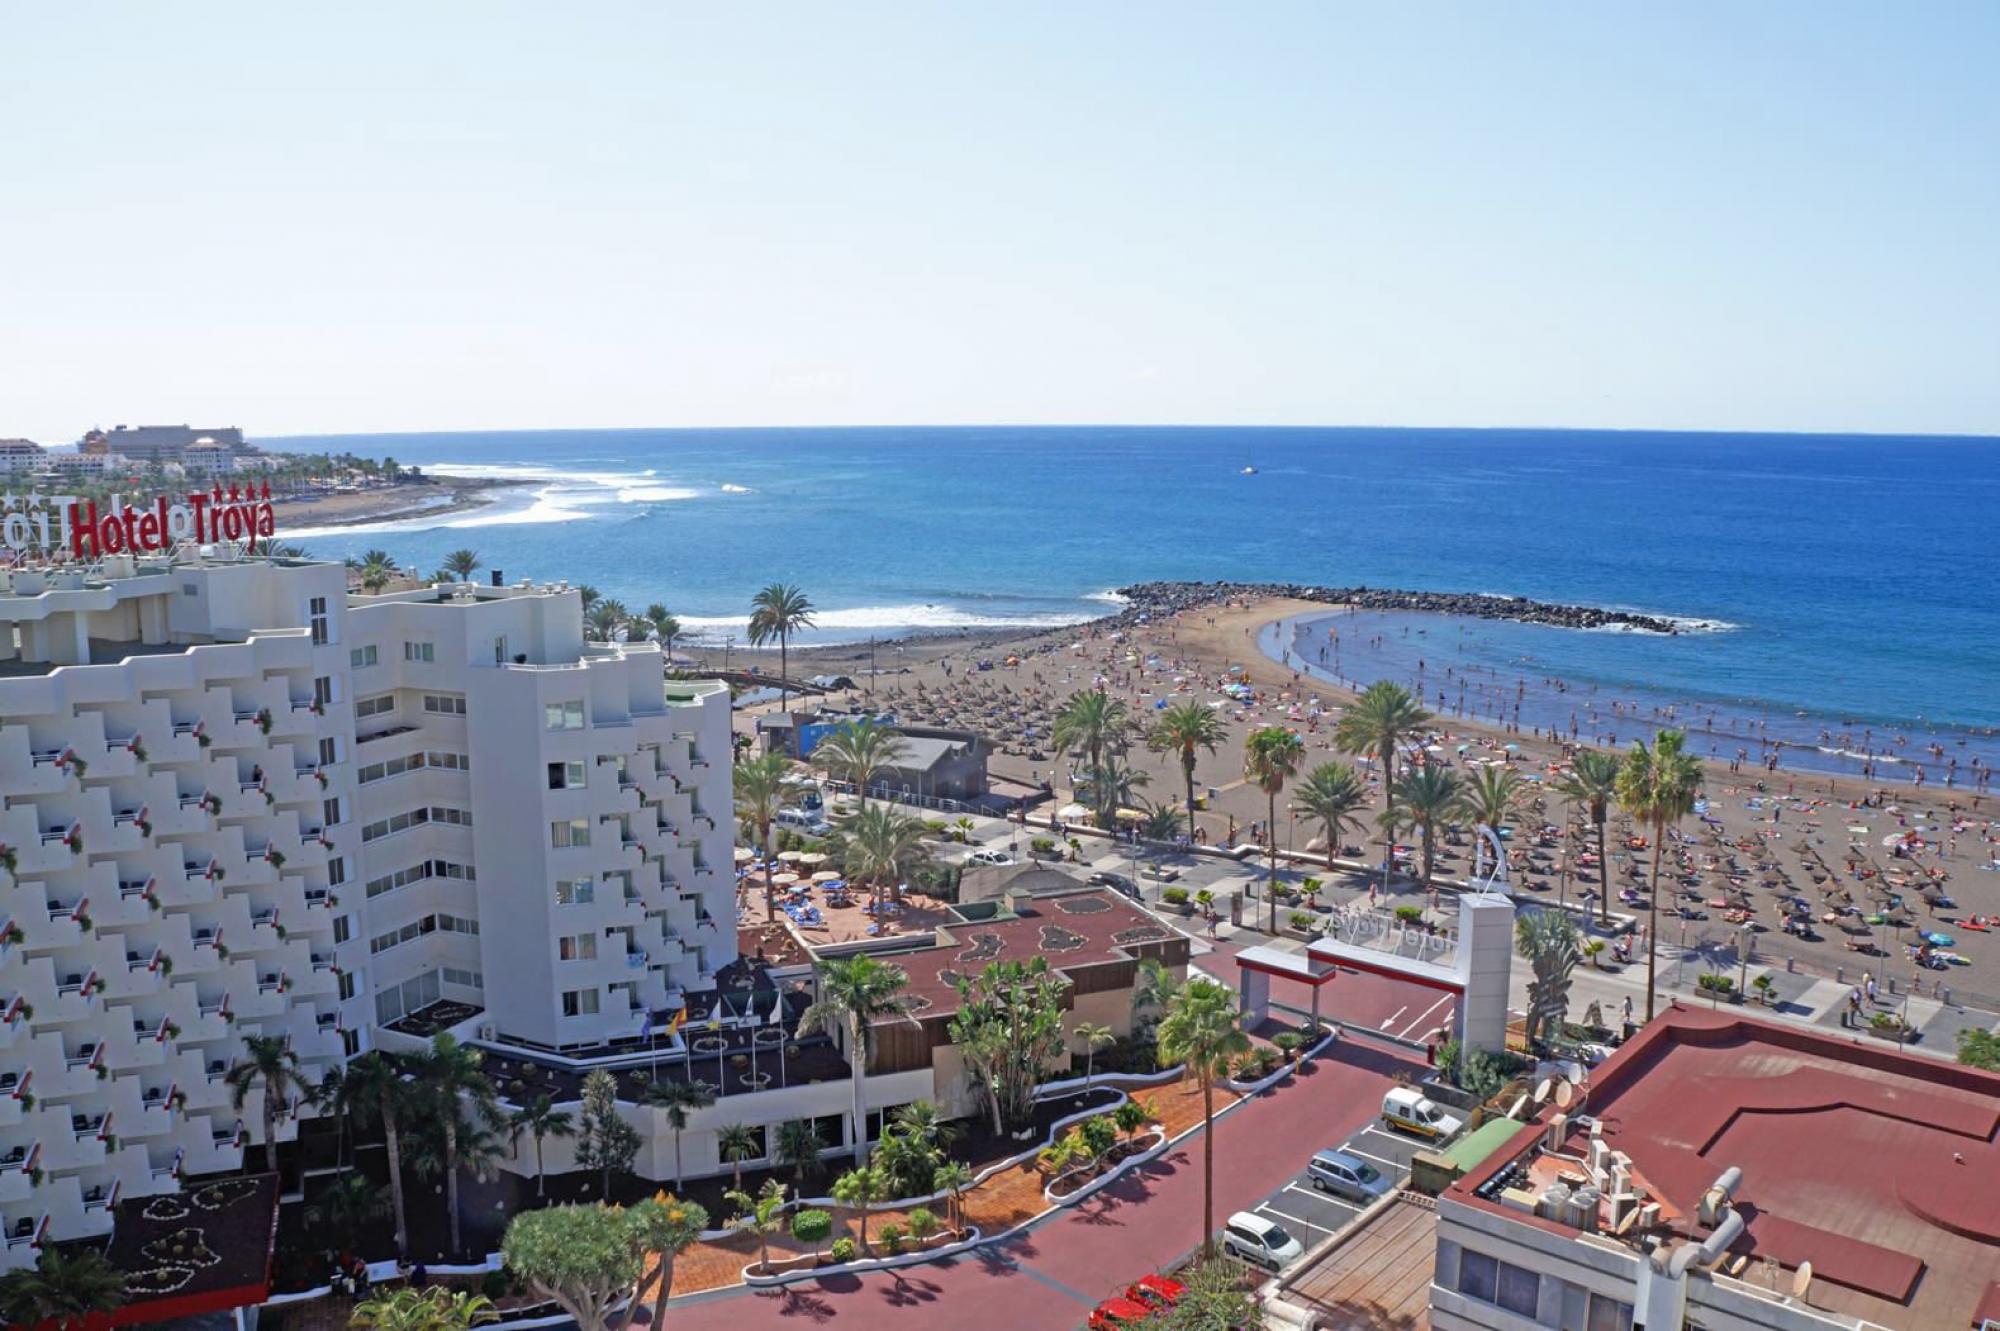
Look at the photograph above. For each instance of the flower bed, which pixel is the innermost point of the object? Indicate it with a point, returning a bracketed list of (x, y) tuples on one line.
[(811, 1266), (1078, 1182)]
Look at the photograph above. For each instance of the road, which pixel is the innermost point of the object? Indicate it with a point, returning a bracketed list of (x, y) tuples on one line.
[(1052, 1275)]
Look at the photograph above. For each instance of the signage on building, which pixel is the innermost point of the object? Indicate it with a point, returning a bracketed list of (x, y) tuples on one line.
[(44, 526)]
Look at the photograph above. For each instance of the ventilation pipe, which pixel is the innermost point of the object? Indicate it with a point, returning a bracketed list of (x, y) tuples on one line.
[(1709, 1250)]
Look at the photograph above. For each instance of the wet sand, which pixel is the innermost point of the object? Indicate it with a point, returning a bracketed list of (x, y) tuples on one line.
[(430, 496)]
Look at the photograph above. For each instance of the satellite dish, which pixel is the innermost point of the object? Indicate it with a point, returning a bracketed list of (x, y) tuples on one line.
[(1519, 1105), (1542, 1091), (1802, 1281), (1565, 1095)]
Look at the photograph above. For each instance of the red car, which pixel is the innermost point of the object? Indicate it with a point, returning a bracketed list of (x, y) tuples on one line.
[(1117, 1313), (1156, 1291)]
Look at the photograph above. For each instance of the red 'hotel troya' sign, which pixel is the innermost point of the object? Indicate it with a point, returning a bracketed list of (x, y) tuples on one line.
[(235, 514)]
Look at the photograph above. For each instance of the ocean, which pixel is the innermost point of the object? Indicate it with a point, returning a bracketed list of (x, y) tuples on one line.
[(1849, 578)]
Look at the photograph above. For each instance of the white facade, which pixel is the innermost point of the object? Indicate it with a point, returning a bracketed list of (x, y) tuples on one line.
[(226, 783), (21, 455)]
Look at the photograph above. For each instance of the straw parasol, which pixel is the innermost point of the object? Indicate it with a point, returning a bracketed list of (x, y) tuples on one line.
[(744, 854), (784, 879), (812, 857), (827, 876)]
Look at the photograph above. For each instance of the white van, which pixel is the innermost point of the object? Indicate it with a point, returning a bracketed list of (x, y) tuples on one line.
[(1409, 1110), (803, 821)]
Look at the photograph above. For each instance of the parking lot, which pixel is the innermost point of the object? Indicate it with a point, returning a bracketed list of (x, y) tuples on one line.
[(1310, 1215)]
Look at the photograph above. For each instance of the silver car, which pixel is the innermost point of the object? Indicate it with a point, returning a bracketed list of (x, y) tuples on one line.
[(1348, 1176)]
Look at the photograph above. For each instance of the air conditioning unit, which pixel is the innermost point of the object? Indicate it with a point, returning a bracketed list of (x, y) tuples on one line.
[(486, 1031)]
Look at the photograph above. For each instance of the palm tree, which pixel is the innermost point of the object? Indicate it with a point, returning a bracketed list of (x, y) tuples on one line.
[(858, 751), (589, 595), (1489, 798), (1331, 795), (1110, 786), (1203, 1030), (855, 993), (540, 1120), (374, 1088), (605, 619), (881, 847), (1094, 1037), (952, 1178), (1271, 757), (1658, 786), (1593, 782), (666, 626), (1431, 797), (270, 1063), (66, 1287), (739, 1142), (799, 1147), (1089, 724), (859, 1188), (462, 564), (760, 793), (1378, 721), (1184, 728), (678, 1099), (762, 1215), (345, 1209), (778, 612), (375, 568), (452, 1072)]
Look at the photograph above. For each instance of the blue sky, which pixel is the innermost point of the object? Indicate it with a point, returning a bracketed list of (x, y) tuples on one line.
[(465, 216)]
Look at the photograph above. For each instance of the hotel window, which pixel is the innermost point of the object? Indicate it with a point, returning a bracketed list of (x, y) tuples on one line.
[(566, 776), (316, 613), (450, 762), (389, 882), (347, 985), (401, 822), (376, 706), (628, 990), (323, 690), (420, 651), (382, 771), (336, 871), (446, 869), (343, 929), (1505, 1286), (569, 832), (329, 812), (350, 1043), (456, 817), (1477, 1275), (577, 947), (579, 1002), (1608, 1315), (464, 978), (327, 751), (564, 715), (360, 658), (444, 704), (457, 924), (575, 891)]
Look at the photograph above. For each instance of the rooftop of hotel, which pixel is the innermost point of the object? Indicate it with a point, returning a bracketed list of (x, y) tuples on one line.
[(1076, 929), (1879, 1168)]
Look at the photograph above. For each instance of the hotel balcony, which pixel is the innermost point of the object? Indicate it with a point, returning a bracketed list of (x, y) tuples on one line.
[(17, 1168)]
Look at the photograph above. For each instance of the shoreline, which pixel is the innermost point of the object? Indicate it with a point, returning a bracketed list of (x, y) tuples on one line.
[(430, 497)]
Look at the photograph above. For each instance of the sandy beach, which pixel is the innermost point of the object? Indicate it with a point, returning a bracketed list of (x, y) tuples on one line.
[(430, 496), (1841, 845)]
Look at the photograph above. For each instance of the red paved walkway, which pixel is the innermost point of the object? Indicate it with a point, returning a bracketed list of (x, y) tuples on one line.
[(1053, 1274)]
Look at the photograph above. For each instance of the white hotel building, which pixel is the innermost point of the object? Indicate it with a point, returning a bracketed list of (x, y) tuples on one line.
[(235, 799)]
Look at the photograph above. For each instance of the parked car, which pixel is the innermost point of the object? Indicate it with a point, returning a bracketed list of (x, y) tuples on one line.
[(1409, 1110), (990, 858), (1156, 1290), (1117, 882), (1118, 1311), (1251, 1238), (1348, 1176)]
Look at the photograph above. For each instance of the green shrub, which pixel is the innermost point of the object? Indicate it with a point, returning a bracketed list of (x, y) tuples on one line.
[(1716, 984), (1300, 920), (1288, 1041), (495, 1285), (1130, 1117), (842, 1250), (1249, 1067), (1043, 845), (1099, 1134), (1410, 914), (892, 1237), (923, 1224), (812, 1227), (1174, 896)]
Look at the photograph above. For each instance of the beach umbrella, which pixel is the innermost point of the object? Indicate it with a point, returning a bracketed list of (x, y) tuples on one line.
[(744, 854), (827, 876), (813, 857), (784, 879), (791, 856)]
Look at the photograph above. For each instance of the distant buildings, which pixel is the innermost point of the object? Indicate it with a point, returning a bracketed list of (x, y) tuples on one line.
[(159, 445)]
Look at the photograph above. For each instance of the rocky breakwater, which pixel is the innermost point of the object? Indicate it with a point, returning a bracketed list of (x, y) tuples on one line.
[(1149, 599)]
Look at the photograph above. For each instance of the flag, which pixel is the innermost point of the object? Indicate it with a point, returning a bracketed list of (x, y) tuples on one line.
[(679, 1020), (646, 1025)]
